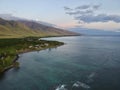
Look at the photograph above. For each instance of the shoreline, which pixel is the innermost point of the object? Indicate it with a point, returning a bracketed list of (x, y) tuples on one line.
[(43, 36), (25, 51), (11, 66), (62, 36)]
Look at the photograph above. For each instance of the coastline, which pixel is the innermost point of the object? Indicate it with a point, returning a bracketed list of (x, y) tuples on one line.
[(17, 57), (77, 34), (52, 44), (62, 36)]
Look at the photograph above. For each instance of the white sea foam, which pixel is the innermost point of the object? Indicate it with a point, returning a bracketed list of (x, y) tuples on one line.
[(61, 87), (81, 84)]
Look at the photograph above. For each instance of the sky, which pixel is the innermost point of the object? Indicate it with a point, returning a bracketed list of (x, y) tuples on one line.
[(96, 14)]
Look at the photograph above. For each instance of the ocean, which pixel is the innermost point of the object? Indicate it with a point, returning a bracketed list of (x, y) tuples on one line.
[(82, 63)]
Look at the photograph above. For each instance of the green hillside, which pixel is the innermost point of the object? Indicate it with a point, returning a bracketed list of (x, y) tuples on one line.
[(18, 29)]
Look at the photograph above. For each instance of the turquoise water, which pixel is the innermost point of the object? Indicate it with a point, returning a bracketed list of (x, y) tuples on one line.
[(83, 63)]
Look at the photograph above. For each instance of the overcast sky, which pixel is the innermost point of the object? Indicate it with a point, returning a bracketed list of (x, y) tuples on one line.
[(98, 14)]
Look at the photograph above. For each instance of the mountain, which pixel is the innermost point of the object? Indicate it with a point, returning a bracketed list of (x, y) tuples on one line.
[(20, 28), (96, 32), (11, 17)]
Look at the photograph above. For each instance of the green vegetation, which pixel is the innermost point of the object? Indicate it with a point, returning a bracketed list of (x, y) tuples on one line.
[(18, 31), (10, 48)]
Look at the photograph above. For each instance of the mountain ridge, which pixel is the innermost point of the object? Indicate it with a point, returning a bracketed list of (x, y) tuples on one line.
[(24, 28)]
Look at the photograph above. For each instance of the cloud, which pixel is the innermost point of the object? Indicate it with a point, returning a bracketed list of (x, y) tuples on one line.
[(83, 7), (98, 18), (96, 7), (11, 17), (67, 8), (87, 14), (80, 12)]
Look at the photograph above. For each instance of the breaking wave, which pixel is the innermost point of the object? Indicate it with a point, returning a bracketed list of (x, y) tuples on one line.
[(61, 87)]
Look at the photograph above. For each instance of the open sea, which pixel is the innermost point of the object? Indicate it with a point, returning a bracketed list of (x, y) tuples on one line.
[(83, 63)]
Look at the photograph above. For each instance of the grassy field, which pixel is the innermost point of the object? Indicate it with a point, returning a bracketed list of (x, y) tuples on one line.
[(10, 48)]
